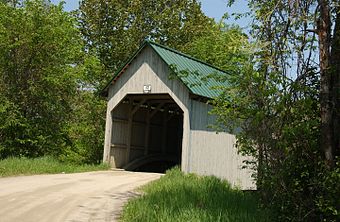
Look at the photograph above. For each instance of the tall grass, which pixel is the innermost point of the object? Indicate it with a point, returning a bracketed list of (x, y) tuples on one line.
[(43, 165), (188, 197)]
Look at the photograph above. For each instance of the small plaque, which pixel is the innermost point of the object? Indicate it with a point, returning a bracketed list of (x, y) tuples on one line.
[(147, 88)]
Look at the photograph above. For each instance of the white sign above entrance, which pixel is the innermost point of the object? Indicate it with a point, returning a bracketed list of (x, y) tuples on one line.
[(147, 89)]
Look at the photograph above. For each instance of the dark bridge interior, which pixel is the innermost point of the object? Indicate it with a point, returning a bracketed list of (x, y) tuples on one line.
[(147, 133)]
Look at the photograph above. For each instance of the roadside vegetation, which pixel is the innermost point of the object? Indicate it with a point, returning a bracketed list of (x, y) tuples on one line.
[(188, 197), (43, 165)]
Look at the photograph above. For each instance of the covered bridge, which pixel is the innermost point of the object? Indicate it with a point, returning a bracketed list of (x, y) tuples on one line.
[(152, 117)]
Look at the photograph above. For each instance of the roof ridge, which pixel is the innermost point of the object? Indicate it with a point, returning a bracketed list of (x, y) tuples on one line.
[(184, 55)]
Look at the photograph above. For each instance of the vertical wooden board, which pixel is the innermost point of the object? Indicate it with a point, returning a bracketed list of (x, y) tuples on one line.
[(155, 138), (147, 134), (200, 117), (164, 131), (119, 133), (118, 157), (215, 154), (129, 133), (119, 127), (137, 136), (115, 131), (107, 138)]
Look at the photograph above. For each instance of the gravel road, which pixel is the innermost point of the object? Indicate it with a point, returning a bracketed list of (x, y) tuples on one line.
[(93, 196)]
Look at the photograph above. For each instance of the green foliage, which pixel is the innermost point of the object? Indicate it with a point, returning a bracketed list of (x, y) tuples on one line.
[(280, 128), (113, 29), (39, 45), (47, 81), (273, 108), (328, 184), (42, 165), (223, 46), (188, 197), (86, 129)]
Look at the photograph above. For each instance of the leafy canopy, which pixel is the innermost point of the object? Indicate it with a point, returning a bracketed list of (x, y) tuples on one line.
[(39, 47), (114, 29)]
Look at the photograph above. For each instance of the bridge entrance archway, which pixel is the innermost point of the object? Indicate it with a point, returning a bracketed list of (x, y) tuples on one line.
[(147, 132)]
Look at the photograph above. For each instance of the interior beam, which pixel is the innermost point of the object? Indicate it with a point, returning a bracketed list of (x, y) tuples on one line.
[(156, 109), (136, 108)]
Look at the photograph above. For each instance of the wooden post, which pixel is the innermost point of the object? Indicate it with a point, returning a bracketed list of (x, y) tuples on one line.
[(132, 111), (129, 131), (147, 132), (164, 131)]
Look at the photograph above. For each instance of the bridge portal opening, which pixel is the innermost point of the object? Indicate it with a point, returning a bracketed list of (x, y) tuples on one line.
[(147, 131)]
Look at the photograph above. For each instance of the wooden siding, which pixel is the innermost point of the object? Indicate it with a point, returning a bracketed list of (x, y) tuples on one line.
[(146, 69), (214, 154)]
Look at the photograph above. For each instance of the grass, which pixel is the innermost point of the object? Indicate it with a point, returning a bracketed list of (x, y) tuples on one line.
[(188, 197), (43, 165)]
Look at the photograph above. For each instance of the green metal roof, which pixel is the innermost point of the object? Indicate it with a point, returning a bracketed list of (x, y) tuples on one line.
[(192, 72)]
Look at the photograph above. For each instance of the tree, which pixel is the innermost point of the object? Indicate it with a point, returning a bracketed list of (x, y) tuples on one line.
[(86, 126), (329, 69), (223, 46), (285, 104), (39, 48), (114, 29)]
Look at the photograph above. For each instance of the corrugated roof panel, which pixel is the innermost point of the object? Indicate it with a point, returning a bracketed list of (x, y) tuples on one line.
[(188, 64)]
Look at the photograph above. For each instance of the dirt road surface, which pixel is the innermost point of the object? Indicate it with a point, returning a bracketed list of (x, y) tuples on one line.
[(93, 196)]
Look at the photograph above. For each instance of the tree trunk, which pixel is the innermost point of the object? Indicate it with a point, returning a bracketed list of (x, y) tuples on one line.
[(324, 32), (335, 64)]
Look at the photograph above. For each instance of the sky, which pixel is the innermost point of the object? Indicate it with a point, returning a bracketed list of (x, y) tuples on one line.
[(212, 8)]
